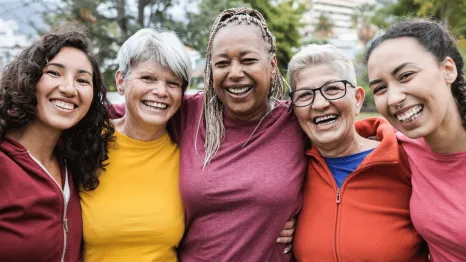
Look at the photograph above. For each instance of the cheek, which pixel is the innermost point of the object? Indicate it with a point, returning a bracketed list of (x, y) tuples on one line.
[(177, 97), (302, 113)]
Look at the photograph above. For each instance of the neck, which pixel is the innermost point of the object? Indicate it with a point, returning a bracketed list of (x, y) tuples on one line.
[(351, 144), (138, 130), (39, 140), (256, 115), (450, 137)]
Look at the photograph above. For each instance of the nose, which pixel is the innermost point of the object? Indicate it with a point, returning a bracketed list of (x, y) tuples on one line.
[(160, 89), (320, 102), (236, 71), (67, 87), (395, 96)]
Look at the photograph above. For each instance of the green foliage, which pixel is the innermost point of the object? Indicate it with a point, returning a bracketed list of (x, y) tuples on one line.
[(450, 12), (195, 33), (283, 20)]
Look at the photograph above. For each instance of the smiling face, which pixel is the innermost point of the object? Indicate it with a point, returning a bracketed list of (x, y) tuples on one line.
[(152, 93), (411, 88), (328, 124), (65, 90), (242, 70)]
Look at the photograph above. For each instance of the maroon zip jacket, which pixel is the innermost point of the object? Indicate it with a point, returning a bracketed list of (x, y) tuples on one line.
[(35, 222)]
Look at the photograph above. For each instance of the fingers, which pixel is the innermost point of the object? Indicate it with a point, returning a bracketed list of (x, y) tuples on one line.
[(285, 240), (287, 232), (290, 223), (287, 249)]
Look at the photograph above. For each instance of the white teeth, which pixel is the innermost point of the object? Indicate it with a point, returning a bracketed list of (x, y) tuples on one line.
[(155, 104), (239, 90), (328, 123), (324, 118), (63, 104), (410, 115)]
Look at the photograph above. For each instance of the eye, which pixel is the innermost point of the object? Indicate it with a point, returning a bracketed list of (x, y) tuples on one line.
[(147, 79), (173, 84), (83, 81), (52, 73), (222, 63), (304, 96), (248, 61), (379, 89), (406, 76)]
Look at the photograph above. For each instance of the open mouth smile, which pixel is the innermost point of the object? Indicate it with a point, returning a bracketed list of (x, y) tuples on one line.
[(63, 105), (239, 90), (410, 115), (325, 120), (155, 105)]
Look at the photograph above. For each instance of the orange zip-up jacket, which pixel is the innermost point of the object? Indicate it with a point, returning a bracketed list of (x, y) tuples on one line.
[(367, 219)]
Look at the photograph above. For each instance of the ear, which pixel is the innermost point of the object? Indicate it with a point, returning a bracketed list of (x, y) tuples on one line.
[(273, 67), (449, 69), (359, 95), (119, 80)]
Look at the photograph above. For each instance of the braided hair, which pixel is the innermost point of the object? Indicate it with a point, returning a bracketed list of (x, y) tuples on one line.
[(212, 106)]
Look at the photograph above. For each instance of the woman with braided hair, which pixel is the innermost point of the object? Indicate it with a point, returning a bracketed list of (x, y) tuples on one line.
[(242, 150), (416, 74)]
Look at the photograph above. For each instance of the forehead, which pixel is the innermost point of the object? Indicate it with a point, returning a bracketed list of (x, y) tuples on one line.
[(315, 76), (241, 38), (153, 68), (72, 58), (391, 53)]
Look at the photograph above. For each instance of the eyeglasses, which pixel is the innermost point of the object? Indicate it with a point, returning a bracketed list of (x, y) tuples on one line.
[(331, 91)]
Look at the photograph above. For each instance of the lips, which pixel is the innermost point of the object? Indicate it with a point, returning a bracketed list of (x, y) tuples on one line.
[(155, 105), (63, 105), (325, 120), (239, 90), (410, 115)]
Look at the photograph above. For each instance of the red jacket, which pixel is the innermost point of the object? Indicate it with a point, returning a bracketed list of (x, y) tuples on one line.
[(367, 219), (33, 211)]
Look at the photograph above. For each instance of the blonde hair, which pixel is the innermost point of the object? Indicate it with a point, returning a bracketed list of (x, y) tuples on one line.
[(212, 106)]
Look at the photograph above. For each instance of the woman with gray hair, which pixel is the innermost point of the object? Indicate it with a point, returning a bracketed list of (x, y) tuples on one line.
[(357, 191), (136, 214)]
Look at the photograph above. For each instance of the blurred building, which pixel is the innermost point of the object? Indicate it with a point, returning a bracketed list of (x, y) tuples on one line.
[(344, 33), (11, 42)]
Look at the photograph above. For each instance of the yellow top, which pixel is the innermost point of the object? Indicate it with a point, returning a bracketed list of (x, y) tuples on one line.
[(135, 214)]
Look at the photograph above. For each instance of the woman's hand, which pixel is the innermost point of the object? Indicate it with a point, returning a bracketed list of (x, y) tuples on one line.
[(286, 235)]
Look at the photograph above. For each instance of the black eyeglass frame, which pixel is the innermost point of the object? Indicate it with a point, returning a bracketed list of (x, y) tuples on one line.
[(320, 90)]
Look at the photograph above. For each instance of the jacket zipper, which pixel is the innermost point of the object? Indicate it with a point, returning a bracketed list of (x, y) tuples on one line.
[(338, 200), (336, 221), (65, 202)]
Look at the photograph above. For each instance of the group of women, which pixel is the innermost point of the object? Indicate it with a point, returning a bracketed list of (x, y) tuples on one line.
[(216, 176)]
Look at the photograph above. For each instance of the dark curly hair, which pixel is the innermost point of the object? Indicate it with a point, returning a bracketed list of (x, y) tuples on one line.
[(438, 41), (83, 146)]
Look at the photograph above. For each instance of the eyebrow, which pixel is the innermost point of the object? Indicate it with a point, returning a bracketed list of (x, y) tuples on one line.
[(243, 53), (62, 66), (394, 72), (326, 82)]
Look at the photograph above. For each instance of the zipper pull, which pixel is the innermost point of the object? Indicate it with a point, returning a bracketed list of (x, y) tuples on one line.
[(338, 196), (65, 224)]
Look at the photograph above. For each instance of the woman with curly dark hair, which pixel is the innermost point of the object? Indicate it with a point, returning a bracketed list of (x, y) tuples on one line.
[(54, 131), (416, 74)]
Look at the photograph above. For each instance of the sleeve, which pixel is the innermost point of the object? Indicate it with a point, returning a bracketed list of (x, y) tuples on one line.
[(116, 111)]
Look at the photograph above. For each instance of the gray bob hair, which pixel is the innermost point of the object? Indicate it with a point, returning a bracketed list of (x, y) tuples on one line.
[(315, 54), (160, 46)]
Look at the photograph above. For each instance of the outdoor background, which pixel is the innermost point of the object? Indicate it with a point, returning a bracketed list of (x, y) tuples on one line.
[(348, 24)]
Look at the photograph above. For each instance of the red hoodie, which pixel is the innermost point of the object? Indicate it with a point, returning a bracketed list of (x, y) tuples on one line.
[(367, 219), (36, 223)]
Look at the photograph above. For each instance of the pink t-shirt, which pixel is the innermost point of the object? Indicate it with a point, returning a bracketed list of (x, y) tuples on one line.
[(237, 206), (438, 202)]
